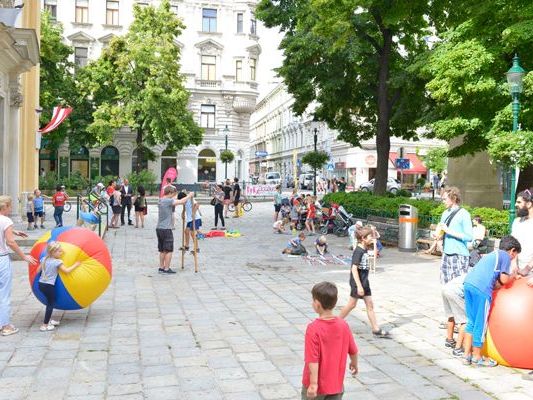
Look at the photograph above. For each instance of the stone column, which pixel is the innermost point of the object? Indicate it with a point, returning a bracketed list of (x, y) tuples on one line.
[(188, 165), (12, 146)]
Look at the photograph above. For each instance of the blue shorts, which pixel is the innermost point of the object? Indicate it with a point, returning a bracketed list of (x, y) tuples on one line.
[(198, 224), (477, 306)]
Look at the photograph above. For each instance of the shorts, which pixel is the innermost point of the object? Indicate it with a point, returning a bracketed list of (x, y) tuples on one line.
[(363, 276), (117, 210), (227, 201), (452, 266), (198, 224), (139, 209), (30, 217), (39, 214), (453, 297), (337, 396), (277, 207), (165, 240), (477, 306)]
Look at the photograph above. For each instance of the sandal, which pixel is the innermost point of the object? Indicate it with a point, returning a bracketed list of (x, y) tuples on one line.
[(184, 248), (467, 360), (450, 343), (9, 330), (381, 334), (484, 362)]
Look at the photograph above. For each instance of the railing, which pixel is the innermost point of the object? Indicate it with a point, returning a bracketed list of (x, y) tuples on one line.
[(206, 83), (101, 206)]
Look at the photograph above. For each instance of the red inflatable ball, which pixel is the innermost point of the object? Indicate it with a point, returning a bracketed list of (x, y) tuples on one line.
[(510, 332)]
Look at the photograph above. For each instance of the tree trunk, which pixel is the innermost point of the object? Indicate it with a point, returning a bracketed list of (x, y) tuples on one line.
[(140, 150), (384, 109)]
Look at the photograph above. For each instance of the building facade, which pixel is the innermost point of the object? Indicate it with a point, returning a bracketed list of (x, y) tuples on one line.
[(279, 139), (19, 60), (219, 57)]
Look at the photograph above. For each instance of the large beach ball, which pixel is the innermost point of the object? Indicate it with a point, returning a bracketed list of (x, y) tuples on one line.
[(510, 330), (88, 281)]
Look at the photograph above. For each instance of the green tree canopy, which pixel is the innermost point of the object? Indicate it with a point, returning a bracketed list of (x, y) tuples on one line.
[(315, 159), (436, 159), (137, 83), (354, 58)]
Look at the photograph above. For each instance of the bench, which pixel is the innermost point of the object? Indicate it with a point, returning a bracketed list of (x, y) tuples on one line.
[(388, 229)]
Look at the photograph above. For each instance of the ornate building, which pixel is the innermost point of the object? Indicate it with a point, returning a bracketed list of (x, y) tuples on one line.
[(219, 58)]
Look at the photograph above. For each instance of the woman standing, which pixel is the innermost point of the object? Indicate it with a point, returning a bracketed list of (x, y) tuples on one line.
[(219, 206), (277, 202), (140, 206), (115, 205), (58, 201), (7, 239)]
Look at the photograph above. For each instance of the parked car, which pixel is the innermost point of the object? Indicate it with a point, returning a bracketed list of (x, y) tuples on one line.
[(392, 185), (273, 178), (306, 181), (289, 182)]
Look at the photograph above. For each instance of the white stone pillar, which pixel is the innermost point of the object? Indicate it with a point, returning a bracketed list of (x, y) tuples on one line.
[(188, 165), (12, 149)]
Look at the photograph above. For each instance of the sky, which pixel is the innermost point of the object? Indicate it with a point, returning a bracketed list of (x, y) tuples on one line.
[(270, 58)]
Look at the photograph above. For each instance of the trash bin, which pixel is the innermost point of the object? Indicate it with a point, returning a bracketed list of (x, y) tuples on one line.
[(408, 227)]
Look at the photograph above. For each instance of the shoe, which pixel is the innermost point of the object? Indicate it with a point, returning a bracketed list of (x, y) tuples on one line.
[(161, 270), (381, 334), (467, 360), (450, 343), (35, 226), (223, 228), (169, 271), (184, 248), (214, 228), (458, 352), (197, 251), (43, 227), (48, 327), (484, 362), (130, 223), (9, 330), (122, 224), (54, 322), (30, 228)]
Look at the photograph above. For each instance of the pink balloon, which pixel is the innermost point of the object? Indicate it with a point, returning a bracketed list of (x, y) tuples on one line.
[(170, 173)]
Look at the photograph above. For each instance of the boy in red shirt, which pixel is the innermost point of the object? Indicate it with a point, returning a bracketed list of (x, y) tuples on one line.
[(328, 341), (58, 201)]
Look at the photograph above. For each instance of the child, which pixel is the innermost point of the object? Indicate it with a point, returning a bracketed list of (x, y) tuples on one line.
[(360, 286), (191, 207), (311, 214), (479, 284), (321, 245), (279, 225), (30, 212), (352, 234), (295, 245), (294, 214), (49, 269), (140, 204), (328, 341), (38, 207), (58, 201), (376, 236)]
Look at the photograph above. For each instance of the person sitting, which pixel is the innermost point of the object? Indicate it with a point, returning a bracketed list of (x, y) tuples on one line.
[(436, 245), (279, 225), (321, 245), (295, 246)]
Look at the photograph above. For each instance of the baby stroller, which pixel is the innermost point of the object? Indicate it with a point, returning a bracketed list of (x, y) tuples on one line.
[(302, 217), (343, 220), (327, 221)]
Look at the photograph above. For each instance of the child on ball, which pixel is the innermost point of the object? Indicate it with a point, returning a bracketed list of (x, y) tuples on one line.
[(49, 270)]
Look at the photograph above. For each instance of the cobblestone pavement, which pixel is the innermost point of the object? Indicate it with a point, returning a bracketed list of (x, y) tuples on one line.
[(235, 330)]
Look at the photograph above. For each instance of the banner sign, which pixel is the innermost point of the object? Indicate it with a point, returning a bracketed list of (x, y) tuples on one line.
[(260, 190)]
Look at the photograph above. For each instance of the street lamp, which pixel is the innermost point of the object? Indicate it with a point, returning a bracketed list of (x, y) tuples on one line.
[(226, 131), (314, 169), (515, 77)]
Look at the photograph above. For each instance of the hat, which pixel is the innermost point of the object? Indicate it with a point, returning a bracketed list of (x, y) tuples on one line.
[(100, 184), (359, 224)]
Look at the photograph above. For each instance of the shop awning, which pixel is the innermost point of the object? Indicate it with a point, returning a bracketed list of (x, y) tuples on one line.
[(415, 164)]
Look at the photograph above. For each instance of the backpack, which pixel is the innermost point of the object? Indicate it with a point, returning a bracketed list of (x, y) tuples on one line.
[(112, 200)]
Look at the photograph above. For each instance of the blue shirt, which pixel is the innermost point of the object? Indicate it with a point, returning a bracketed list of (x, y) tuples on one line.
[(38, 204), (486, 272), (294, 242), (461, 224)]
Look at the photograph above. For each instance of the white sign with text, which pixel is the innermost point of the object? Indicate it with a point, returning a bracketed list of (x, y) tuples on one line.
[(260, 190)]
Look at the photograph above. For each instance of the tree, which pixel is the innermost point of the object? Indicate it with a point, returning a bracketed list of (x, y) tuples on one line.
[(137, 83), (355, 59), (436, 159), (56, 79), (466, 79)]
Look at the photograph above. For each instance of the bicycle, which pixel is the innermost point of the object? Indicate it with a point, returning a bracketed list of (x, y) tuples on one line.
[(245, 204)]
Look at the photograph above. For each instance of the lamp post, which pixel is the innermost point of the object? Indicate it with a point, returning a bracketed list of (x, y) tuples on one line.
[(226, 131), (314, 169), (515, 77)]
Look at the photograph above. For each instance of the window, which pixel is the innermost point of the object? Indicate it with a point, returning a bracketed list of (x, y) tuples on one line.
[(253, 63), (238, 70), (109, 161), (82, 11), (137, 163), (209, 20), (240, 18), (168, 160), (174, 9), (207, 165), (208, 68), (253, 27), (111, 17), (51, 7), (80, 56), (207, 116)]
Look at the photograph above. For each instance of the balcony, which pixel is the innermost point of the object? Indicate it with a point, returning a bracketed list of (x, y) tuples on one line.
[(208, 84)]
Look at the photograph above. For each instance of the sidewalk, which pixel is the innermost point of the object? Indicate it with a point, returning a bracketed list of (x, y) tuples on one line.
[(235, 330)]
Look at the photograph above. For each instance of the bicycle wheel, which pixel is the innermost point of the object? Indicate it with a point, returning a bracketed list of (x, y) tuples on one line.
[(67, 207), (247, 206), (231, 207), (101, 208)]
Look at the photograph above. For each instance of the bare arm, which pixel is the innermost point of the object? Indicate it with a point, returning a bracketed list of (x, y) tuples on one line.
[(355, 273), (354, 369), (67, 270), (313, 380), (10, 241)]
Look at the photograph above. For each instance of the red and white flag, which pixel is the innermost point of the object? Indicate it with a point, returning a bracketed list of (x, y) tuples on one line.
[(58, 116)]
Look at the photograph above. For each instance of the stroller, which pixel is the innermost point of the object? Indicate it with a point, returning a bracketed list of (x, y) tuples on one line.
[(327, 219), (342, 221)]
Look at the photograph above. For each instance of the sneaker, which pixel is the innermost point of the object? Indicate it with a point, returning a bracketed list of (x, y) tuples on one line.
[(35, 226), (467, 360), (458, 352), (484, 362), (43, 227), (48, 327), (169, 271), (54, 322), (161, 271), (450, 343)]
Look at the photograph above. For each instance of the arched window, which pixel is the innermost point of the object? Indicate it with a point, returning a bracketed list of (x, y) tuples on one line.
[(79, 161), (207, 166), (109, 161), (135, 161), (168, 160)]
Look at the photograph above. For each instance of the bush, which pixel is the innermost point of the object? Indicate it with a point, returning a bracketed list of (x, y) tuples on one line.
[(75, 182), (103, 179), (145, 178), (49, 181), (363, 204), (403, 193)]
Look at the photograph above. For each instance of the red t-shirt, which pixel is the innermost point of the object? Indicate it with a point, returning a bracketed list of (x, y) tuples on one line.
[(110, 190), (311, 211), (328, 343), (59, 199)]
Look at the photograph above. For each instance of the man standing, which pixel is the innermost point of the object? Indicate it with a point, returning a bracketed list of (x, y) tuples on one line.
[(455, 227), (342, 184), (227, 196), (125, 201), (522, 230), (236, 197)]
